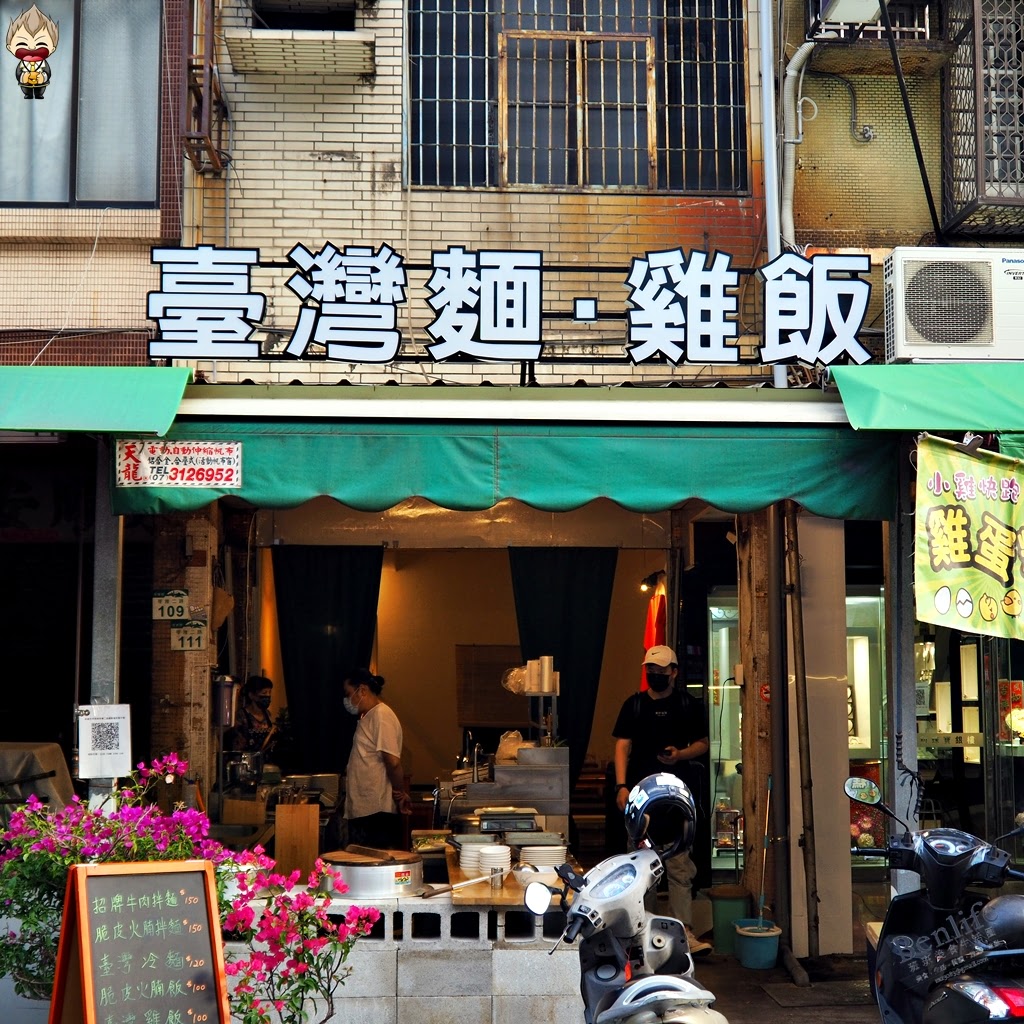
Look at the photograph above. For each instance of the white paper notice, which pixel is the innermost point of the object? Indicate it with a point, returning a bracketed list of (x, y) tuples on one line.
[(104, 741)]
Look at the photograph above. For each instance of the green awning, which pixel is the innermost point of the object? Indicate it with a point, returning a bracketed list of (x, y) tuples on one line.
[(99, 399), (933, 396), (372, 465)]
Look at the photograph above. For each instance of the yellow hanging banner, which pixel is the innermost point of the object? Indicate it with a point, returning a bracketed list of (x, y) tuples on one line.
[(969, 573)]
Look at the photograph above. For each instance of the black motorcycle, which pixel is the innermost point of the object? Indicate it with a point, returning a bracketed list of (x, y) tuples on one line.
[(949, 952)]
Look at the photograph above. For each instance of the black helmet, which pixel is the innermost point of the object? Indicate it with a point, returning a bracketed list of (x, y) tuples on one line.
[(660, 809), (1003, 918)]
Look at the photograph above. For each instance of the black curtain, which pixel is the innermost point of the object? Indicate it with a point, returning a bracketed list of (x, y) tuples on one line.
[(327, 615), (562, 598)]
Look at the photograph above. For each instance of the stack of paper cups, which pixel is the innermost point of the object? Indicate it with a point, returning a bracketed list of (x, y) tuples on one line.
[(533, 676), (556, 680), (547, 669)]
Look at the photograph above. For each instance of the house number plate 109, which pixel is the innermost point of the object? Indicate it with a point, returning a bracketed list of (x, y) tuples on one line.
[(170, 605)]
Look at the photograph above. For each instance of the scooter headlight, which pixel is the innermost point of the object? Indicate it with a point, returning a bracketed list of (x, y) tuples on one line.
[(617, 882)]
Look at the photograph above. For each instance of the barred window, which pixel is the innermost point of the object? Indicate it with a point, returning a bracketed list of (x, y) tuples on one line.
[(635, 95), (1002, 40)]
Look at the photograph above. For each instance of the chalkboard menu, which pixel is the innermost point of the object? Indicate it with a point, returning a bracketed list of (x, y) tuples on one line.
[(140, 943)]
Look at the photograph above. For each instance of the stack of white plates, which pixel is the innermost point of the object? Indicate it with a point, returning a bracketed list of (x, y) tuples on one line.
[(469, 857), (543, 856), (495, 856)]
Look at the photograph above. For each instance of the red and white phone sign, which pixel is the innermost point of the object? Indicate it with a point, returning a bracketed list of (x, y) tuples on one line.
[(178, 464)]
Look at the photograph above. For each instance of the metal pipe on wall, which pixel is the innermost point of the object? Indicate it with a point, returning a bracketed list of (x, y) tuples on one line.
[(803, 728), (779, 723)]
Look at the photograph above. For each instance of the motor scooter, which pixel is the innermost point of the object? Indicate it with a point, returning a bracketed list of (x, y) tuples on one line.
[(948, 952), (635, 966)]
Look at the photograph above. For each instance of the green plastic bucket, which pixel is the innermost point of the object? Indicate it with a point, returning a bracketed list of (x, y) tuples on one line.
[(728, 902), (757, 942)]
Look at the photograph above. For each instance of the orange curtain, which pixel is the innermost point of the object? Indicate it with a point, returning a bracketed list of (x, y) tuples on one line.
[(654, 629)]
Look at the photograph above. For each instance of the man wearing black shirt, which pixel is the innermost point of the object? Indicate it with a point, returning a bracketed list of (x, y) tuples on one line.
[(662, 729)]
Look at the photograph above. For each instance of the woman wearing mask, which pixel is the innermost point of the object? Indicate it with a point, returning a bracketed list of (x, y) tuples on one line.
[(375, 797), (254, 727)]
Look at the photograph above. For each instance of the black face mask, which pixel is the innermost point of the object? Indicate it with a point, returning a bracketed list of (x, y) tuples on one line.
[(659, 682), (262, 702)]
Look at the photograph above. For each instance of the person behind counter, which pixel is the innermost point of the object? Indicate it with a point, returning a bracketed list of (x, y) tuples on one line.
[(254, 728), (375, 797)]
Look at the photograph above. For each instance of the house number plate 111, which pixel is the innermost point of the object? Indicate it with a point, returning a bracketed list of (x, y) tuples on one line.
[(188, 636)]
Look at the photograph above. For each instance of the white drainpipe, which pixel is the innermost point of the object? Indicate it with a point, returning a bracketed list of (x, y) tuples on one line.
[(790, 139)]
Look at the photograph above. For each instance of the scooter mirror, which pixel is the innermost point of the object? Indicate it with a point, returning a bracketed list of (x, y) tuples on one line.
[(537, 898), (1013, 834), (864, 791)]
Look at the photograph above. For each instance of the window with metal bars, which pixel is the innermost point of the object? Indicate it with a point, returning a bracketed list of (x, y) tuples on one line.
[(1002, 41), (635, 95)]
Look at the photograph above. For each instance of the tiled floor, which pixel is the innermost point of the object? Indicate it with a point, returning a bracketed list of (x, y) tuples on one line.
[(740, 994), (742, 997)]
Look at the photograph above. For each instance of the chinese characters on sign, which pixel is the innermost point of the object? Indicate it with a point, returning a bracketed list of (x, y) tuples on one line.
[(178, 464), (354, 296), (104, 741), (140, 943), (490, 305), (206, 306), (969, 531)]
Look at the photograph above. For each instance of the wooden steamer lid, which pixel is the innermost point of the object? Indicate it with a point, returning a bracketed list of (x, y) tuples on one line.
[(367, 856)]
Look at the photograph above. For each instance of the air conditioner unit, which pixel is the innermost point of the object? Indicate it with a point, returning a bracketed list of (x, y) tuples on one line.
[(954, 304)]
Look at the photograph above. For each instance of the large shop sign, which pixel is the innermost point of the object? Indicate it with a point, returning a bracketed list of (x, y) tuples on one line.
[(489, 304), (969, 539)]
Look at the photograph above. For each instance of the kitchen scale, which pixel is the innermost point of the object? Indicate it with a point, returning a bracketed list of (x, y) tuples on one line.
[(507, 819)]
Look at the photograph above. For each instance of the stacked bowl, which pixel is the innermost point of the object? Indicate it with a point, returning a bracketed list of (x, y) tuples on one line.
[(495, 856), (469, 858)]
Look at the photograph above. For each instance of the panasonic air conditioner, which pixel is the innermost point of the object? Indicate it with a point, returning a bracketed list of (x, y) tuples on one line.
[(954, 304)]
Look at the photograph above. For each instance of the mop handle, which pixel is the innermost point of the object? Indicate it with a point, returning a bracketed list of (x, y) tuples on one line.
[(764, 853)]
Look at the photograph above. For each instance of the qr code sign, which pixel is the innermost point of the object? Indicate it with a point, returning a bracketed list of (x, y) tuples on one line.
[(106, 736)]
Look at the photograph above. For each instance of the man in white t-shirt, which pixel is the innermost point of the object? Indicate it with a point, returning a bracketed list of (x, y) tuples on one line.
[(375, 796)]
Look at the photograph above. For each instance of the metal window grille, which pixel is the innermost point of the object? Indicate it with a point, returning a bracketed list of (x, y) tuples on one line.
[(596, 94), (909, 21), (983, 109), (1002, 40)]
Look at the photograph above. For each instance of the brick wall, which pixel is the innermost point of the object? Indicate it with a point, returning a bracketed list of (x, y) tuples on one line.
[(74, 348), (316, 159), (185, 549), (87, 270), (851, 193)]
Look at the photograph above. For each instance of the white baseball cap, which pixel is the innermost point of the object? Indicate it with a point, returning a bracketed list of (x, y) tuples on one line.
[(660, 655)]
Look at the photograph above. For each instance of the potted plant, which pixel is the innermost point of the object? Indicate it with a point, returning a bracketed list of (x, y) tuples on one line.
[(294, 953)]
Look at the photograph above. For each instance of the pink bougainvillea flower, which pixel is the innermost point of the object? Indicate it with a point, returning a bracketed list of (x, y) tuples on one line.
[(295, 951)]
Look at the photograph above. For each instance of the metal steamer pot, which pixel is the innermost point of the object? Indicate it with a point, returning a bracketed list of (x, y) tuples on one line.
[(377, 874), (242, 767)]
